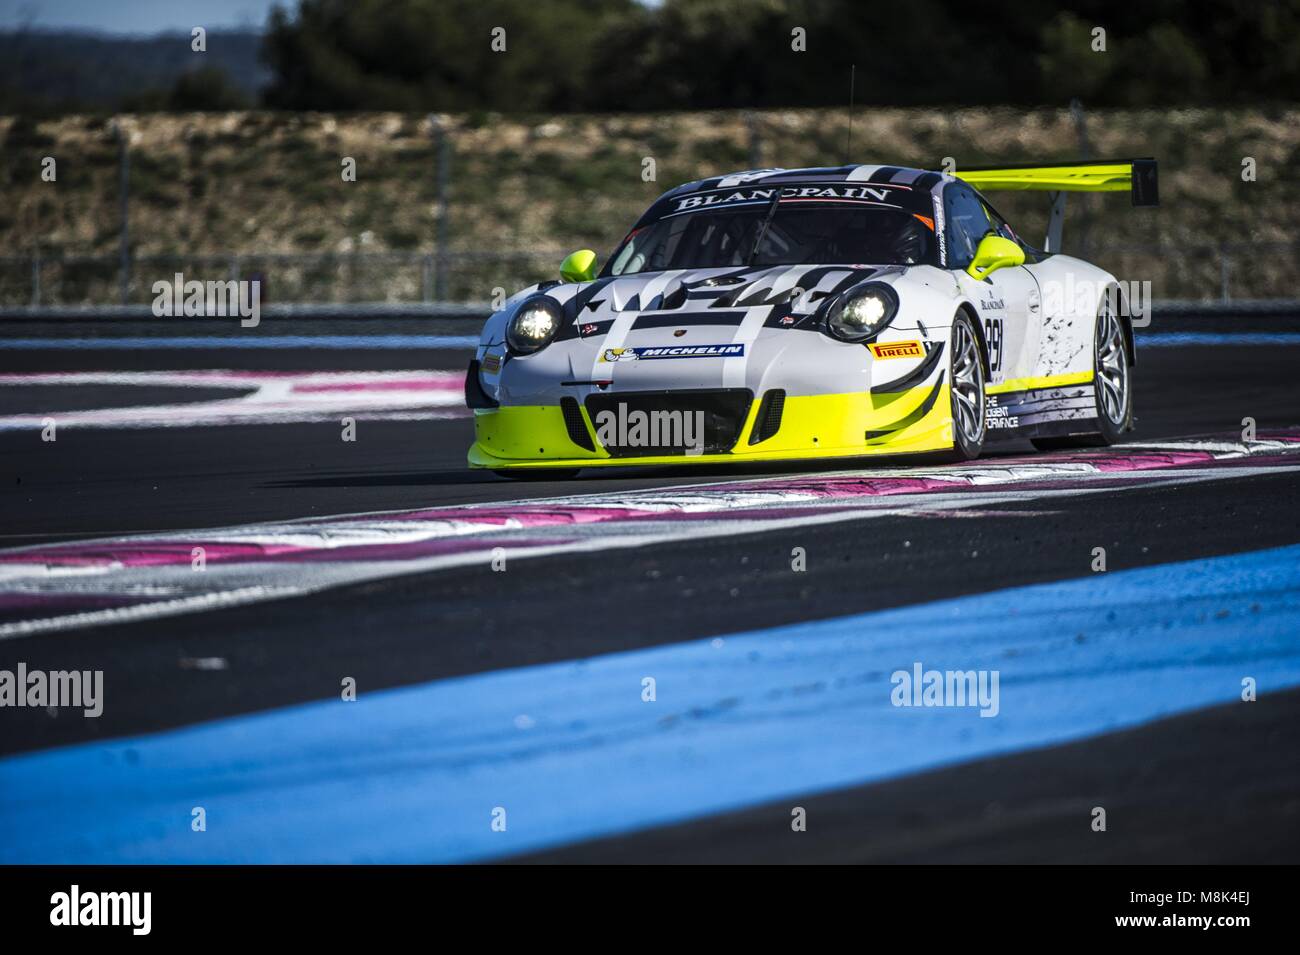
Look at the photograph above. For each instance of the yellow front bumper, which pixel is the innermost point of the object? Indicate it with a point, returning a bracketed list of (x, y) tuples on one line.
[(812, 426)]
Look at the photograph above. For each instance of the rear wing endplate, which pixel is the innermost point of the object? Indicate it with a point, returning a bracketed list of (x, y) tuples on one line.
[(1137, 177)]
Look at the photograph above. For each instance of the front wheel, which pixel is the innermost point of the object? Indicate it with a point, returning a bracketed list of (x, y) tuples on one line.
[(966, 371), (1112, 383)]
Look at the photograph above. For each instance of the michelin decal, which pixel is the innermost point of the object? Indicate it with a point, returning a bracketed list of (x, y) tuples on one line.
[(652, 353)]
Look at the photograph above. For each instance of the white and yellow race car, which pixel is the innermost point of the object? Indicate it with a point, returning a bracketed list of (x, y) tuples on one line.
[(785, 314)]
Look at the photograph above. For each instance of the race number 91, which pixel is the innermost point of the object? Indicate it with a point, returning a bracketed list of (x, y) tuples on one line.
[(993, 338)]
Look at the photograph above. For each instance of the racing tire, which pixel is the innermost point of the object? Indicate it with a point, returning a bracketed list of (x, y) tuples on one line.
[(537, 474), (1112, 377), (966, 377)]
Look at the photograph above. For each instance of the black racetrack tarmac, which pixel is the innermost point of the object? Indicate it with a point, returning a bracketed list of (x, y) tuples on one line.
[(1214, 785)]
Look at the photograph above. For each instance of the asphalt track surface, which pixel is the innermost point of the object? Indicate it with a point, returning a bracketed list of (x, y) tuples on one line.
[(1131, 707)]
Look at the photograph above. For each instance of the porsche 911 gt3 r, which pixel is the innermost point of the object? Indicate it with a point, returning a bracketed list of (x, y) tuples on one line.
[(813, 313)]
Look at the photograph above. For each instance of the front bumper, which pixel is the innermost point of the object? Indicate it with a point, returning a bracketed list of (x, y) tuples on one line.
[(811, 426)]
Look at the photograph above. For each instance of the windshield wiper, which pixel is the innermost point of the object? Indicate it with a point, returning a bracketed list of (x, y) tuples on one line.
[(762, 231)]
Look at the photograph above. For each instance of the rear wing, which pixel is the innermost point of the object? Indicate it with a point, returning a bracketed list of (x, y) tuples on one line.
[(1137, 177)]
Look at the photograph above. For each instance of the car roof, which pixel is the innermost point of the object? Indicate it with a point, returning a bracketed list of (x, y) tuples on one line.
[(919, 179), (918, 183)]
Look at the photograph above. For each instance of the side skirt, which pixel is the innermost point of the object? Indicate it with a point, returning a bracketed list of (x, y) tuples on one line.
[(1041, 412)]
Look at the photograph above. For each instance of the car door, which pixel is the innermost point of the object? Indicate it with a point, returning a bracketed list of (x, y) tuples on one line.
[(1009, 300)]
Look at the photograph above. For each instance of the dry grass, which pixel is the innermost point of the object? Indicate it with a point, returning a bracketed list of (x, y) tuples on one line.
[(270, 183)]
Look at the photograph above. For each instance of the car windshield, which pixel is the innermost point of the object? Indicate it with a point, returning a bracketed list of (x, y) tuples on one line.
[(799, 233)]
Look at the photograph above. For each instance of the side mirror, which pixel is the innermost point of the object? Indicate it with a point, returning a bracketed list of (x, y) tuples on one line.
[(993, 253), (579, 266)]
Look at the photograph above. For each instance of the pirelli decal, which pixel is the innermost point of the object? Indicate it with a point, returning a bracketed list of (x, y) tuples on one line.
[(911, 349)]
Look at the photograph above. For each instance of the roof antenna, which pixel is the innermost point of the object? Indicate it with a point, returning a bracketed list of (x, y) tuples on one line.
[(848, 146)]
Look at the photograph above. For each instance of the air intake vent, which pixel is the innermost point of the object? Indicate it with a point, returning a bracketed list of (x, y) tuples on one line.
[(574, 424), (768, 420), (475, 396), (667, 415)]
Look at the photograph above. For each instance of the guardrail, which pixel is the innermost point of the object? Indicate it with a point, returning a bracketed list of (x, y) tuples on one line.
[(1183, 272), (283, 310), (478, 311), (353, 277)]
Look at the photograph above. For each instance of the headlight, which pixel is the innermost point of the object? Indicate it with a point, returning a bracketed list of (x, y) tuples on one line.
[(862, 312), (533, 326)]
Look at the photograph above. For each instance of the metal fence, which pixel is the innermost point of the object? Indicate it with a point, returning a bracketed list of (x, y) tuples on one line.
[(392, 277), (1209, 272), (443, 273)]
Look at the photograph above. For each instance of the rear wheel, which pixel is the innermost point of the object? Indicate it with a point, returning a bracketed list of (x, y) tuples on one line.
[(1112, 382), (966, 371)]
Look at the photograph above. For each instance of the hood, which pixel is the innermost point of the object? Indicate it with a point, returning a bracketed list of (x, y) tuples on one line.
[(800, 287)]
